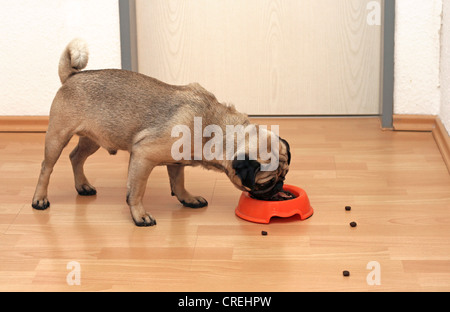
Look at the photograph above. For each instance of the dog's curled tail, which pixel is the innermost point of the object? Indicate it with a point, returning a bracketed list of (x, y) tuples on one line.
[(74, 58)]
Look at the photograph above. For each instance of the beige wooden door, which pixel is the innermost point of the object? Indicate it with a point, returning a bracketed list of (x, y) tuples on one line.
[(267, 57)]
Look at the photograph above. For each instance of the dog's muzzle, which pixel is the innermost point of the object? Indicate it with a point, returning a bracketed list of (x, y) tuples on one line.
[(268, 192)]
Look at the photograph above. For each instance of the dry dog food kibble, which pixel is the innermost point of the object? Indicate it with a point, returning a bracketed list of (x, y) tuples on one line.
[(353, 224), (348, 208), (346, 273), (263, 233)]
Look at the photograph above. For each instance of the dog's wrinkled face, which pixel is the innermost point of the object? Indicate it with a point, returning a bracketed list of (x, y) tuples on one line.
[(263, 185)]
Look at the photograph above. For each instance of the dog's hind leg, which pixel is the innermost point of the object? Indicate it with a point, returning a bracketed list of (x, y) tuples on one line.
[(55, 141), (176, 176), (81, 152)]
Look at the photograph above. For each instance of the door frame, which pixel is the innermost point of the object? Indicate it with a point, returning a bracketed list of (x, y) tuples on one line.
[(129, 53), (128, 35), (387, 64)]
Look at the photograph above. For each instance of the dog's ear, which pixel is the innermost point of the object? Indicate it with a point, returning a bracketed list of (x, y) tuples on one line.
[(288, 150), (246, 170)]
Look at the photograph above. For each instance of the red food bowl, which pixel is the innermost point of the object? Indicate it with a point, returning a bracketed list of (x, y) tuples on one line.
[(261, 211)]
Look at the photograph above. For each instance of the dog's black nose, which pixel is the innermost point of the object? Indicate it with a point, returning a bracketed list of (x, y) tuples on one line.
[(278, 187)]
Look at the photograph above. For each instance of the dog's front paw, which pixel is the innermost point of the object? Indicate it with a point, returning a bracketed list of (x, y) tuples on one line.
[(194, 202), (86, 190), (40, 204), (142, 217)]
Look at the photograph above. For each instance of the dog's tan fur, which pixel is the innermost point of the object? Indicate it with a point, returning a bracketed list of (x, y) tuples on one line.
[(122, 110)]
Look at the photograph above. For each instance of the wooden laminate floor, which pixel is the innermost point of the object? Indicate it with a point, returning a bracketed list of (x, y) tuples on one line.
[(396, 183)]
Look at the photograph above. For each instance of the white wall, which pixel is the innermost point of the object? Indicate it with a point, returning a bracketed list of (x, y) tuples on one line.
[(33, 36), (445, 66), (422, 58), (417, 52)]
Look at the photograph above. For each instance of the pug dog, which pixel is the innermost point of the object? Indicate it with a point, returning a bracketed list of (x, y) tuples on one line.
[(123, 110)]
